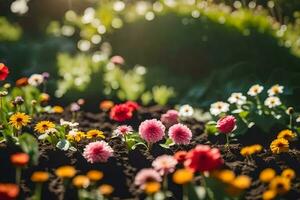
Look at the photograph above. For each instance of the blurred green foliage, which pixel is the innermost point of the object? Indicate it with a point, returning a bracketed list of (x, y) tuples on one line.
[(9, 31)]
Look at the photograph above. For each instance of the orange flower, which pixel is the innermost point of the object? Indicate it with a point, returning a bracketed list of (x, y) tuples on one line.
[(19, 159), (269, 195), (183, 176), (226, 176), (152, 187), (65, 171), (44, 97), (95, 175), (22, 82), (106, 189), (286, 134), (267, 175), (279, 146), (9, 191), (40, 177), (288, 173), (106, 105), (81, 181), (57, 109), (280, 185)]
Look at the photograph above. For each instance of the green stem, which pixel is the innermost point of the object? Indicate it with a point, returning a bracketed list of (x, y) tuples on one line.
[(18, 175), (291, 121), (227, 140), (38, 191), (185, 192), (165, 186), (80, 197)]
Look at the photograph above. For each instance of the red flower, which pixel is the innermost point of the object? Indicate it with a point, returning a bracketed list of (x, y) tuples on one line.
[(8, 191), (3, 72), (133, 105), (180, 156), (226, 124), (203, 158), (121, 112), (19, 159)]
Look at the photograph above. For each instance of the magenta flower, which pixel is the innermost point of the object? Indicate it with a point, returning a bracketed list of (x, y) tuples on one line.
[(98, 151), (180, 134), (145, 176), (226, 124), (164, 164), (123, 130), (170, 118), (152, 130)]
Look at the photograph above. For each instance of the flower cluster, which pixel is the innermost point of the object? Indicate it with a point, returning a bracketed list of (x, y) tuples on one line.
[(281, 143)]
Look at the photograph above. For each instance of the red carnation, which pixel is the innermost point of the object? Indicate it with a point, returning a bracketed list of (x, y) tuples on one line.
[(121, 112), (3, 72), (226, 124), (203, 158), (133, 105)]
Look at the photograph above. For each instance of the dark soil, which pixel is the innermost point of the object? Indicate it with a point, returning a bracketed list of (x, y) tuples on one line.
[(120, 170)]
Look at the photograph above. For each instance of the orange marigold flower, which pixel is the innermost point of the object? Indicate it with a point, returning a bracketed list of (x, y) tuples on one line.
[(9, 191), (279, 146), (151, 187), (280, 185), (183, 176), (288, 173), (286, 134), (226, 176), (94, 175), (40, 177), (65, 171), (267, 175), (19, 159), (106, 105), (269, 195), (249, 150), (22, 82), (106, 189), (81, 181), (242, 182), (57, 109)]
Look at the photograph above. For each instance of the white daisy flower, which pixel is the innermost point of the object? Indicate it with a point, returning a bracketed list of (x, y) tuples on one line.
[(186, 110), (298, 119), (237, 98), (255, 90), (218, 108), (272, 102), (36, 79), (275, 90), (69, 124)]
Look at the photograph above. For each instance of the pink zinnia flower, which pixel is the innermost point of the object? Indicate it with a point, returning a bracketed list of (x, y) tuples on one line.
[(152, 130), (170, 118), (203, 158), (145, 176), (117, 60), (164, 164), (123, 130), (226, 124), (98, 151), (180, 134)]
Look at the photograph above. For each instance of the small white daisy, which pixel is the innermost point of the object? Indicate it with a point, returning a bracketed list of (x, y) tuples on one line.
[(275, 90), (36, 79), (272, 102), (255, 90), (237, 98), (186, 110), (298, 119), (218, 108), (69, 124)]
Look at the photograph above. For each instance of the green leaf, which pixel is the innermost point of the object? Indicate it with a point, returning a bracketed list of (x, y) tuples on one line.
[(169, 142), (29, 145)]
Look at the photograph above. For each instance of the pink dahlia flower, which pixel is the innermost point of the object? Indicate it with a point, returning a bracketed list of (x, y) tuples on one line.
[(203, 158), (145, 176), (180, 134), (164, 164), (152, 130), (226, 124), (123, 130), (170, 118), (98, 151)]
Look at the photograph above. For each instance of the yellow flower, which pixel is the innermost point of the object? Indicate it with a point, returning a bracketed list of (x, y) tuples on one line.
[(267, 175), (288, 173), (94, 134), (226, 176), (242, 182), (280, 185), (183, 176), (57, 109), (106, 189), (18, 120), (43, 126), (65, 171), (279, 145), (81, 181), (151, 187), (257, 148), (286, 134), (40, 177), (76, 136), (269, 195), (94, 175), (249, 150), (44, 97)]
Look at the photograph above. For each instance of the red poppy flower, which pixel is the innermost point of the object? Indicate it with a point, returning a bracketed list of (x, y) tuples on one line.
[(3, 72), (121, 112), (133, 105), (203, 158), (8, 191)]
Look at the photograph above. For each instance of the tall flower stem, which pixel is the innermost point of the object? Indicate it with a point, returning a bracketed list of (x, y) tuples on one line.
[(18, 175), (165, 185), (38, 191), (185, 192)]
